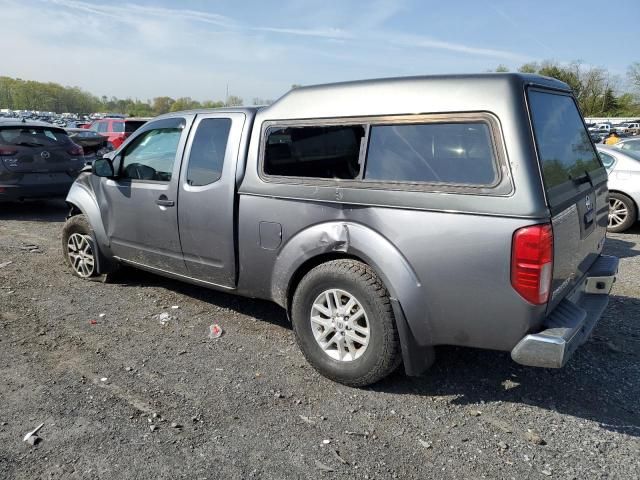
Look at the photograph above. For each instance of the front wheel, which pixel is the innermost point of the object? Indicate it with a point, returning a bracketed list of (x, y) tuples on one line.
[(78, 248), (344, 323), (622, 213)]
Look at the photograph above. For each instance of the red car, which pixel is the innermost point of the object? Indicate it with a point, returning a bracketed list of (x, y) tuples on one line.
[(117, 129)]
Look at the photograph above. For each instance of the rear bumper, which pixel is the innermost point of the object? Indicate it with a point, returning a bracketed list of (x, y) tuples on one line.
[(18, 191), (572, 321)]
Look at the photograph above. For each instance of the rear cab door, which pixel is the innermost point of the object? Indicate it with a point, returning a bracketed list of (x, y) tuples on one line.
[(207, 197), (575, 183)]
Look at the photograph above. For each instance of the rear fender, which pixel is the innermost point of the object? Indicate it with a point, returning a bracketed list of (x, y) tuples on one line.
[(372, 248)]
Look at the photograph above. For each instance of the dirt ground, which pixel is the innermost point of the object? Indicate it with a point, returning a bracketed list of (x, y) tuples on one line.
[(123, 395)]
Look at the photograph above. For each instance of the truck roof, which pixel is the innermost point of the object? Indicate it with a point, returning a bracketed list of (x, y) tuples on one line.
[(357, 97), (405, 95)]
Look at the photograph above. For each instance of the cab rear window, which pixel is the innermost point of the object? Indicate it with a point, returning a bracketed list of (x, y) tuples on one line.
[(564, 147)]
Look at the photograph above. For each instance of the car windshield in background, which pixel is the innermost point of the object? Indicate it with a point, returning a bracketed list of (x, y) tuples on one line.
[(32, 136), (565, 150)]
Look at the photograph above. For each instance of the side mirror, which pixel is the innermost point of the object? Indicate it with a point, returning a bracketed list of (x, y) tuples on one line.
[(103, 167)]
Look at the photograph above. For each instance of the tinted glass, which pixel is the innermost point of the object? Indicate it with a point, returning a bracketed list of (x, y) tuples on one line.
[(132, 125), (117, 127), (318, 152), (152, 154), (102, 127), (455, 153), (33, 136), (207, 151), (564, 147)]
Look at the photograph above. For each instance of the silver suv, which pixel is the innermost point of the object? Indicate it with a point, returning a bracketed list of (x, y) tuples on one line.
[(386, 217)]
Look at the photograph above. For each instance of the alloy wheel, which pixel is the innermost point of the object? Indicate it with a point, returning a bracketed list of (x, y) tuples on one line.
[(81, 254), (618, 212), (340, 325)]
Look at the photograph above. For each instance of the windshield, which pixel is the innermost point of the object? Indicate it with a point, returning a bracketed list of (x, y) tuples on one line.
[(564, 147), (33, 136)]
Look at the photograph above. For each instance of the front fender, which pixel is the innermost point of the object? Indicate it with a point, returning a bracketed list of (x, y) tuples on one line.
[(81, 195), (371, 247)]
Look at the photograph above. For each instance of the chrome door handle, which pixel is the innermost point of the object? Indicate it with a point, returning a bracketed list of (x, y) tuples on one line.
[(164, 202)]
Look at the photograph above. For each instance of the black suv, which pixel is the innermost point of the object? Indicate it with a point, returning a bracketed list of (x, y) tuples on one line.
[(36, 160)]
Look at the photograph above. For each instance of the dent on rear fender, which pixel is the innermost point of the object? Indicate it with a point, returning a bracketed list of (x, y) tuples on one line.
[(371, 247)]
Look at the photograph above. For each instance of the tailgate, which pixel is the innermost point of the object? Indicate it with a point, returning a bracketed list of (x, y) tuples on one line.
[(575, 183), (50, 159)]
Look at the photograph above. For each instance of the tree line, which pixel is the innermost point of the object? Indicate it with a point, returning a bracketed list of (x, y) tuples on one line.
[(19, 94), (599, 94)]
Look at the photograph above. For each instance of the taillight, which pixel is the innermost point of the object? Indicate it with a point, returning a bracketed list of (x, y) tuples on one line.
[(75, 150), (7, 151), (532, 262)]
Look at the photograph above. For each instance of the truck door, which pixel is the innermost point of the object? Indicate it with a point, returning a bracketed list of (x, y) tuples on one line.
[(206, 199), (139, 207)]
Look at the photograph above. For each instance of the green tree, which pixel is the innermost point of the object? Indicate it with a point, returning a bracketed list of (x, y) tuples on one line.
[(634, 74), (234, 101), (162, 105)]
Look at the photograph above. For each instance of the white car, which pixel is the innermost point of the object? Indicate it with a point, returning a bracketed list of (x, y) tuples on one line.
[(623, 167)]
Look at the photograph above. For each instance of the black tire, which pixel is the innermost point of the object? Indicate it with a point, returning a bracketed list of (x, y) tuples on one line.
[(74, 226), (382, 353), (614, 226)]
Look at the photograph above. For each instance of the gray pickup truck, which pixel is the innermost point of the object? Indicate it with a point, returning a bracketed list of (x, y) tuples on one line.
[(386, 216)]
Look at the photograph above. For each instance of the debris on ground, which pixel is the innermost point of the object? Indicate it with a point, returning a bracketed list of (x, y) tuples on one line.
[(32, 437), (93, 322), (5, 264), (503, 446), (102, 315), (425, 444), (475, 413), (323, 467), (176, 425), (326, 442), (215, 331), (533, 437), (164, 318), (175, 307), (306, 420), (336, 454)]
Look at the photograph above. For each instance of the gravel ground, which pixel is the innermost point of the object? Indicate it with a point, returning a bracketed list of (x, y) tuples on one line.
[(124, 395)]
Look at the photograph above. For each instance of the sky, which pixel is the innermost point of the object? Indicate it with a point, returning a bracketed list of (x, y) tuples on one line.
[(143, 49)]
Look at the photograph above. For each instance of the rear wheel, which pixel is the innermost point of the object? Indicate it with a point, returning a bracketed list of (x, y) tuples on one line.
[(344, 324), (78, 247), (622, 212)]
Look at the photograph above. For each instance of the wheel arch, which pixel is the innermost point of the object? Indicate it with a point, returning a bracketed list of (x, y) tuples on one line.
[(82, 201), (335, 240)]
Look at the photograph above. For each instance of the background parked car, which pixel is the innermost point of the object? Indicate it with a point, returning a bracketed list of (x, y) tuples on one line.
[(117, 130), (36, 160), (623, 168), (93, 144), (629, 144)]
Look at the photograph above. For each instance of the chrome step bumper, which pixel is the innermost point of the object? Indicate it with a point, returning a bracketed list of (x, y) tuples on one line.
[(572, 321)]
